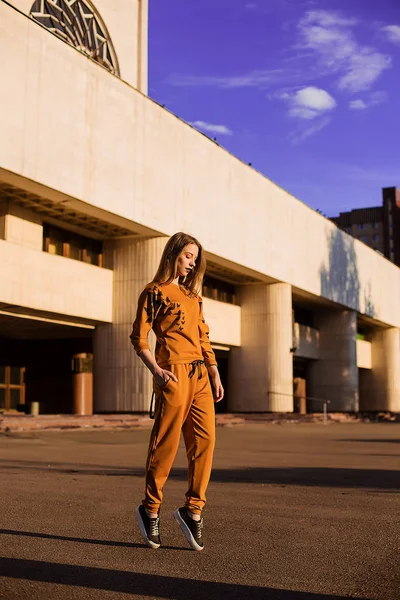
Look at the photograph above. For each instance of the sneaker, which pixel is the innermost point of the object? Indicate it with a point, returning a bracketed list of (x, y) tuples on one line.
[(192, 529), (149, 528)]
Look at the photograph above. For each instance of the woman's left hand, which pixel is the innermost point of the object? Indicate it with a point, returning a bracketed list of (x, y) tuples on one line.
[(216, 383)]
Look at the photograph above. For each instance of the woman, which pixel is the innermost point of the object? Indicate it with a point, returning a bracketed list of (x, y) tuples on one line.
[(171, 306)]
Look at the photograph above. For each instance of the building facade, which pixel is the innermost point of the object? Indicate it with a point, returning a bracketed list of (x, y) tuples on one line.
[(378, 226), (94, 177)]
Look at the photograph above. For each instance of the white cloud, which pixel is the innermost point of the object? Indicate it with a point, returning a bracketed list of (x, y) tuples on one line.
[(314, 98), (308, 103), (252, 79), (326, 46), (209, 128), (378, 97), (328, 18), (303, 113), (363, 69), (392, 32), (372, 99), (299, 137), (358, 105), (330, 36)]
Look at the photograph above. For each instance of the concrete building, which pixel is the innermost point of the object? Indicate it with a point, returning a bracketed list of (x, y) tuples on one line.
[(377, 226), (94, 176)]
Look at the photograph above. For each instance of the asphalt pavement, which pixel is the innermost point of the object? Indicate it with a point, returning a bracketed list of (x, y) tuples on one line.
[(295, 512)]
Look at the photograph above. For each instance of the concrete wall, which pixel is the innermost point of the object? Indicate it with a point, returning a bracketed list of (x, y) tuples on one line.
[(40, 281), (126, 22), (380, 387), (20, 226), (364, 358), (224, 322), (334, 376), (122, 382), (261, 370), (145, 165)]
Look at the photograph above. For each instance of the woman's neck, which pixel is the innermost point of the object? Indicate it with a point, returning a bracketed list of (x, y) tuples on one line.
[(175, 281)]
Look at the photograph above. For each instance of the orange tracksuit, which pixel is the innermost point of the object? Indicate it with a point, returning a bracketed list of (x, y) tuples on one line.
[(183, 347)]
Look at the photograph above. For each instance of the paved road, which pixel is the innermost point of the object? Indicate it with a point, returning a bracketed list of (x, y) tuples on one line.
[(296, 512)]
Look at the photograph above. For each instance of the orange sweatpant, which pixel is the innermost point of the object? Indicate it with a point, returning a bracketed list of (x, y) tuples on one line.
[(186, 406)]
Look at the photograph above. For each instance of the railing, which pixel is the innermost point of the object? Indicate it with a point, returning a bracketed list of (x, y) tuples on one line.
[(324, 401)]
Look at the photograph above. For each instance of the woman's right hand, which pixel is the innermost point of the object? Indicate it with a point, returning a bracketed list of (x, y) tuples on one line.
[(162, 377)]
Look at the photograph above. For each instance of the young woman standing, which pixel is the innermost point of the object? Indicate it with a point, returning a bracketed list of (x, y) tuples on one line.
[(184, 401)]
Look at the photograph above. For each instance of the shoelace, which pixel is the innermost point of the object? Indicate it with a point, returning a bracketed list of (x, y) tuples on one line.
[(155, 526), (199, 527)]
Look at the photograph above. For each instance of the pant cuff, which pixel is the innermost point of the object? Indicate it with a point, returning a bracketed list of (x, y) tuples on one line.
[(152, 508), (195, 510)]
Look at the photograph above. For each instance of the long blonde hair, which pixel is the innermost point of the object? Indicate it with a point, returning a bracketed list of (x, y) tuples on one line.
[(166, 271)]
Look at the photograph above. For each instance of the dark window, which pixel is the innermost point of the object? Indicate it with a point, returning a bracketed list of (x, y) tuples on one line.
[(303, 316), (216, 289), (12, 387), (2, 398), (68, 244)]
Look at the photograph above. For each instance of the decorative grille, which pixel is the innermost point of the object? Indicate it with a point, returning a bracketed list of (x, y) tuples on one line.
[(77, 23)]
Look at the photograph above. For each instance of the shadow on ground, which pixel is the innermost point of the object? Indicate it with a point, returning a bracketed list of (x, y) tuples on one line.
[(368, 441), (297, 476), (140, 584), (66, 538)]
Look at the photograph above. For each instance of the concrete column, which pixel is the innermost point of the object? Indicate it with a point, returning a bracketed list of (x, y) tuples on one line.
[(334, 376), (142, 49), (261, 370), (380, 388), (121, 381)]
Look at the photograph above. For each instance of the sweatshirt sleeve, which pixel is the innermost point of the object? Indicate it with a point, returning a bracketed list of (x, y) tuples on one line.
[(207, 351), (147, 310)]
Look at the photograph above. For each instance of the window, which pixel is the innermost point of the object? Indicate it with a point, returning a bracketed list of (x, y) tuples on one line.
[(348, 229), (361, 226), (375, 225), (68, 244), (303, 316), (77, 23), (216, 289), (12, 387), (363, 238), (375, 238)]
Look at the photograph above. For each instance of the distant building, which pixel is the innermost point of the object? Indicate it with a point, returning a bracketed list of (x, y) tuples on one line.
[(378, 226)]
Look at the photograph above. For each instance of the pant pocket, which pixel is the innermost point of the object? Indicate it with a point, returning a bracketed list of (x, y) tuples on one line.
[(171, 393)]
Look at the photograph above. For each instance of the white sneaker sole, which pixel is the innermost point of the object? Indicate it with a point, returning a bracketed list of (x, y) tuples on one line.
[(146, 540), (186, 531)]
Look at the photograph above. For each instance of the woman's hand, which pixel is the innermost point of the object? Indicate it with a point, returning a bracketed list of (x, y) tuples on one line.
[(216, 383), (162, 377)]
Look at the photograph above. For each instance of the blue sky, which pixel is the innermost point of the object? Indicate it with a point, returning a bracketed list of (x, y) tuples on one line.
[(308, 91)]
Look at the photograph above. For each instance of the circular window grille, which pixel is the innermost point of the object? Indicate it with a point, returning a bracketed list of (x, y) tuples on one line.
[(77, 23)]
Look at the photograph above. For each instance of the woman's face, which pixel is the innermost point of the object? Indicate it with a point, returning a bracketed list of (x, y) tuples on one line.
[(187, 260)]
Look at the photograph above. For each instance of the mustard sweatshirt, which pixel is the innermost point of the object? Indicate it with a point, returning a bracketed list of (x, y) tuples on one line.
[(176, 317)]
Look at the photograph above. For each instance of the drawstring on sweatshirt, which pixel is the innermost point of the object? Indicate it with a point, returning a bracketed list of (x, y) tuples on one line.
[(196, 365)]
